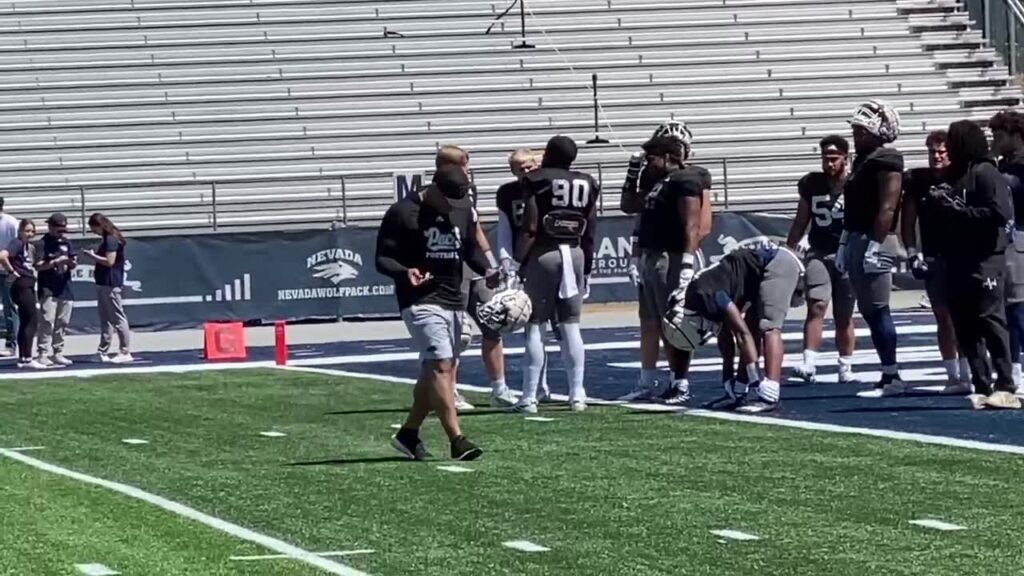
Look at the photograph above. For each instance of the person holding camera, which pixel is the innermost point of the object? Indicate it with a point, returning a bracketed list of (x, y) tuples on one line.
[(55, 259)]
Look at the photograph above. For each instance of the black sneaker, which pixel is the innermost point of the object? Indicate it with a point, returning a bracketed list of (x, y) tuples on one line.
[(409, 443), (463, 449)]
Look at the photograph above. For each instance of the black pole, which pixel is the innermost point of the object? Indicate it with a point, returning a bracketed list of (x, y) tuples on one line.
[(597, 119), (522, 27)]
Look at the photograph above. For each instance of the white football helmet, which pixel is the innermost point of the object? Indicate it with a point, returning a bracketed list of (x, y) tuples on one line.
[(507, 311), (879, 118), (678, 130)]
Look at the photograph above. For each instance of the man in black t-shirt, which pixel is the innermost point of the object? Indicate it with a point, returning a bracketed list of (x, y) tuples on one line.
[(821, 207), (556, 251), (55, 259), (422, 244), (919, 210), (868, 248)]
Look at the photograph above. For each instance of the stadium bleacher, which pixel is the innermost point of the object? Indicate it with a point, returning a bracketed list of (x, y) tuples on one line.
[(179, 115)]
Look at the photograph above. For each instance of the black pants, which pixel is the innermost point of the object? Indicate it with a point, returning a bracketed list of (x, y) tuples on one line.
[(978, 305), (23, 292)]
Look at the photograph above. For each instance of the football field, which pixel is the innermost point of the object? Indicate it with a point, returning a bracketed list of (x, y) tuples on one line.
[(267, 471)]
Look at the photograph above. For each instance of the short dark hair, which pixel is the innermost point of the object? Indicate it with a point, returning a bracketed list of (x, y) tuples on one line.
[(560, 152), (936, 138), (662, 145), (1009, 121), (966, 142), (834, 140)]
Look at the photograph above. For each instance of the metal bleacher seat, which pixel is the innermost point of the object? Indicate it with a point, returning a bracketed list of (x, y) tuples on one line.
[(297, 112)]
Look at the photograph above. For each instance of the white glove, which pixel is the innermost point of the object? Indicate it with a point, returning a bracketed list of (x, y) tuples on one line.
[(510, 274), (841, 259), (686, 273), (634, 271), (876, 261), (586, 286)]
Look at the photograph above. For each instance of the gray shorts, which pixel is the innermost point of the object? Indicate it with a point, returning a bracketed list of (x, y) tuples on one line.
[(659, 277), (825, 283), (936, 284), (479, 293), (543, 271), (1015, 269), (872, 290), (781, 277), (436, 332)]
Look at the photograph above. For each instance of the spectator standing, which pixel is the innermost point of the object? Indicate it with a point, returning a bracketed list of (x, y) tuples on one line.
[(109, 275), (18, 260), (9, 325), (55, 259)]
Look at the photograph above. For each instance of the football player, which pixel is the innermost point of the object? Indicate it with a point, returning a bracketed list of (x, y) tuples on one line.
[(975, 202), (673, 201), (868, 248), (476, 290), (918, 211), (1008, 143), (821, 206), (766, 281), (556, 251), (423, 244), (511, 212)]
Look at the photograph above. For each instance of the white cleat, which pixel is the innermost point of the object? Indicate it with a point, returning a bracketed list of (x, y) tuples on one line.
[(461, 403), (889, 390), (503, 399), (524, 408), (33, 365), (804, 373), (577, 405)]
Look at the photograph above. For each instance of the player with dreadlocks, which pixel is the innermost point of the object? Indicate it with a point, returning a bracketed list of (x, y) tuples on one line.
[(673, 201)]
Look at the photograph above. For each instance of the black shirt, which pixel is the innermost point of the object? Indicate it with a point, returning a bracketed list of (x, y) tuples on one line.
[(22, 257), (735, 278), (557, 189), (1013, 171), (827, 211), (917, 185), (510, 199), (112, 276), (55, 282), (661, 227), (414, 235), (862, 194), (979, 215)]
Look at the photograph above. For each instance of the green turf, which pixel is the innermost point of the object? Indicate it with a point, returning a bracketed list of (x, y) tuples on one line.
[(609, 491)]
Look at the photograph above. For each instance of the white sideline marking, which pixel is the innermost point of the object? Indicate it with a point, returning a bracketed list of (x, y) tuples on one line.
[(268, 542), (273, 434), (134, 441), (285, 556), (735, 535), (525, 546), (27, 449), (454, 469), (937, 525), (396, 426), (95, 570), (539, 419)]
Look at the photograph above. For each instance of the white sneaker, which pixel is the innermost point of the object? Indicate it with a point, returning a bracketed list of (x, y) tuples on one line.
[(804, 373), (103, 357), (577, 405), (525, 408), (503, 399), (925, 303), (640, 393), (32, 365), (894, 388), (460, 402), (6, 352), (122, 359), (61, 360), (954, 388), (46, 362), (846, 375)]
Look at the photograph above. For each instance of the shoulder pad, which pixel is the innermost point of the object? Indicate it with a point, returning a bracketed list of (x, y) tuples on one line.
[(887, 159)]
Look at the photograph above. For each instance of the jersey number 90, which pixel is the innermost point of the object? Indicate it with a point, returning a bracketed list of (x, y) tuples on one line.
[(566, 194)]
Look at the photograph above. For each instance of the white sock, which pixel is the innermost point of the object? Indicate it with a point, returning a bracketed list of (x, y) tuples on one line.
[(769, 391), (534, 363), (574, 356), (498, 386), (965, 370), (648, 378), (544, 390), (1018, 377), (846, 363), (952, 368), (810, 360)]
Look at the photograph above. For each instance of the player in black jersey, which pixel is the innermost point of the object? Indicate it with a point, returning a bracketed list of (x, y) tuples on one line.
[(869, 246), (821, 207), (975, 202), (659, 186), (920, 211), (763, 281), (423, 243), (1008, 143), (511, 203), (556, 250)]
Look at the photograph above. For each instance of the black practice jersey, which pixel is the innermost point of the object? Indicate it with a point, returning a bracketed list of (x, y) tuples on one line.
[(863, 195), (511, 201), (827, 211), (556, 190), (735, 278), (917, 185), (414, 235), (661, 226), (1014, 173)]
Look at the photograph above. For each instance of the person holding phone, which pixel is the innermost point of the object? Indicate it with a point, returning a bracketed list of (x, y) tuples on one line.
[(55, 259), (109, 258), (18, 261)]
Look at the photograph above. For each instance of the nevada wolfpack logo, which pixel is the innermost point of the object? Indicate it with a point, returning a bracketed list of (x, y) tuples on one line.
[(335, 264), (730, 244)]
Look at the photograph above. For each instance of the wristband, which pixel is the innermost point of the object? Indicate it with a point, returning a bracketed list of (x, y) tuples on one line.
[(689, 260), (490, 259)]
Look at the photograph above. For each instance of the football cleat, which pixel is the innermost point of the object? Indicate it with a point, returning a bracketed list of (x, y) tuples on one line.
[(524, 408), (461, 403), (887, 387), (638, 394), (465, 450), (804, 373), (503, 399)]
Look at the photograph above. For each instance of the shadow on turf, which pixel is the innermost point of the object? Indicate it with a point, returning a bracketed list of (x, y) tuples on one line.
[(917, 408), (474, 412), (345, 461)]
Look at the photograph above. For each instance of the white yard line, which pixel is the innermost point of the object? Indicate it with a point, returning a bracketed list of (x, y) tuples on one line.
[(937, 525), (268, 542), (525, 546), (285, 556), (735, 535)]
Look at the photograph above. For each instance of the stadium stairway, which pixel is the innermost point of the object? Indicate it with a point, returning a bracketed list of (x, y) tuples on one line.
[(175, 115)]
